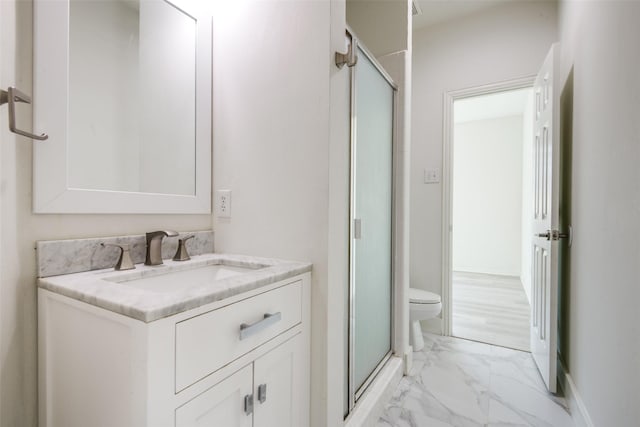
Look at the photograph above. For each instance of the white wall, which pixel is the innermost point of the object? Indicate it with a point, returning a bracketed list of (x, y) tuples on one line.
[(599, 40), (382, 24), (281, 144), (284, 154), (19, 228), (499, 44), (527, 194), (487, 195)]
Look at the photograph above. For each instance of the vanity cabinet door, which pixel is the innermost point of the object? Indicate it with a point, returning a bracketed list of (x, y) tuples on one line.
[(279, 387), (221, 405)]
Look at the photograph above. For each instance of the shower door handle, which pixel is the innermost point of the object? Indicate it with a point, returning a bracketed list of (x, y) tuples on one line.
[(357, 228)]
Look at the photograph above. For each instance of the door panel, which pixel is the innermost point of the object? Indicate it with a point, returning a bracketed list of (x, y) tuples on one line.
[(544, 281), (277, 389), (372, 175), (221, 405)]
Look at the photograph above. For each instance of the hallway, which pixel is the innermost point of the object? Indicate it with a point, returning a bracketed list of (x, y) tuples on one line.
[(455, 383), (491, 309)]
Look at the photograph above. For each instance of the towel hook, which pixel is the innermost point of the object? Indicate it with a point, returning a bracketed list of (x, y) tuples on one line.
[(11, 96)]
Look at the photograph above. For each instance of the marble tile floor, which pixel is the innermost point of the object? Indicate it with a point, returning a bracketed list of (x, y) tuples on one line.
[(460, 383)]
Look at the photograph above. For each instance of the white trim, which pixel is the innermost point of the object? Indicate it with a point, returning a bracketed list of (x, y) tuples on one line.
[(447, 176), (51, 190), (371, 405), (577, 408)]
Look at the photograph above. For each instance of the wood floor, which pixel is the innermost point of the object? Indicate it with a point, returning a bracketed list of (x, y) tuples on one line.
[(490, 309)]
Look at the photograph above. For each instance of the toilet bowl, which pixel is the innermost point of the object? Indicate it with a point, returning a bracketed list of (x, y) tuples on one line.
[(423, 305)]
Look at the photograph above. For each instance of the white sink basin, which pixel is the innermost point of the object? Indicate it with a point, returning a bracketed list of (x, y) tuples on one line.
[(186, 279)]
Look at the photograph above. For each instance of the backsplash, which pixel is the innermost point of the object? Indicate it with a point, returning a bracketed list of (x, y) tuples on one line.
[(55, 257)]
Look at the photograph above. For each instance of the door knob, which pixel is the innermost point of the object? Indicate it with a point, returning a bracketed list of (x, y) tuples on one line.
[(546, 235), (557, 235)]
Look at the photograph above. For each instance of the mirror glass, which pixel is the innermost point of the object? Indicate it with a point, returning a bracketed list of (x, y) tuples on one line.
[(131, 97)]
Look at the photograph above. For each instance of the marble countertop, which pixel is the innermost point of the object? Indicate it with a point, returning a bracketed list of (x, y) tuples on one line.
[(108, 289)]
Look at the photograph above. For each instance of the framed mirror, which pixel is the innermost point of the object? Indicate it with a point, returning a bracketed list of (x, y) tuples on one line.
[(123, 88)]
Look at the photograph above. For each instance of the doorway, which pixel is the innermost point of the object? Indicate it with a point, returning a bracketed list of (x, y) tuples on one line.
[(489, 238)]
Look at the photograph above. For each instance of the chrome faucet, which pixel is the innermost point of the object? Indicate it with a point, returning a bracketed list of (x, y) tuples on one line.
[(154, 246)]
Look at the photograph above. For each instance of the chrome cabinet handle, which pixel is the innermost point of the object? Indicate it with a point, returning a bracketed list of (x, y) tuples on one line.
[(11, 96), (246, 330), (248, 404), (262, 393)]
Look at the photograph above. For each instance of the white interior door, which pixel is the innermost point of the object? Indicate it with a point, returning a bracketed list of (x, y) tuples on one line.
[(544, 269)]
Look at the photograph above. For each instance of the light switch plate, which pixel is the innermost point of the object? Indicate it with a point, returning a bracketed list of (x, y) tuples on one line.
[(223, 203), (431, 176)]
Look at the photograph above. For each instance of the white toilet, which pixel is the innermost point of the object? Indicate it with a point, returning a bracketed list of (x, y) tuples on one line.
[(423, 305)]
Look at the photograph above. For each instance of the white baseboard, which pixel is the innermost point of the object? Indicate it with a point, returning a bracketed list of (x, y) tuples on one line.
[(371, 405), (578, 410)]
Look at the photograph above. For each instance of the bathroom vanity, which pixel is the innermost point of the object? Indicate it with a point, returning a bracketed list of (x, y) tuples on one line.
[(220, 340)]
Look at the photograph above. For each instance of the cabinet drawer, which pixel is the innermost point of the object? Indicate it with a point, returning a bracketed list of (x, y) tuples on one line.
[(207, 342)]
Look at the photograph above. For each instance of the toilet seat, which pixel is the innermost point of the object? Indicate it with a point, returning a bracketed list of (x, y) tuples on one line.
[(419, 296)]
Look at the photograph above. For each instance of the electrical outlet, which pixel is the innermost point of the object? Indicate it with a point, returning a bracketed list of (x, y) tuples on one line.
[(223, 203)]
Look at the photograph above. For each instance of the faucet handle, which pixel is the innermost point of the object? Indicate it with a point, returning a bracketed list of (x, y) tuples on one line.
[(181, 253), (124, 261)]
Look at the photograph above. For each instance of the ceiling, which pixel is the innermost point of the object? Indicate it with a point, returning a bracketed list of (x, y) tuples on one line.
[(495, 105), (437, 11)]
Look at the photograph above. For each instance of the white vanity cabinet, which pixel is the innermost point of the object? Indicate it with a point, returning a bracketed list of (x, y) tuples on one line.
[(241, 361), (269, 390)]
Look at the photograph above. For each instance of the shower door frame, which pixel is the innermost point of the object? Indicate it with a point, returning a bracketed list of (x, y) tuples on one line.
[(355, 394)]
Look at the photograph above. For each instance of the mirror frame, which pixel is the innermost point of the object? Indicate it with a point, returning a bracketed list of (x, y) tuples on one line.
[(51, 192)]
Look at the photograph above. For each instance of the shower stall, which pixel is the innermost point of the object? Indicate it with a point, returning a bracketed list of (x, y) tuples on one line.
[(371, 305)]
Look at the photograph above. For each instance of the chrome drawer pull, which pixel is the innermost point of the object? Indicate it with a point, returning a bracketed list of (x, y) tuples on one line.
[(269, 319)]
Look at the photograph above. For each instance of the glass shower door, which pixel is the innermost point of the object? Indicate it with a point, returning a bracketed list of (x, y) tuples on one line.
[(371, 219)]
